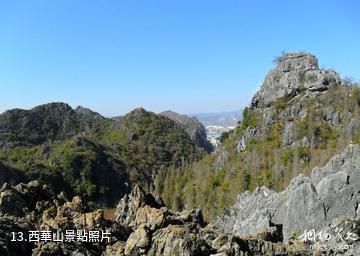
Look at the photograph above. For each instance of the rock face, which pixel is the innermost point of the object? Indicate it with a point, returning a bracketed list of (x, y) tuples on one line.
[(332, 192), (88, 113), (142, 226), (295, 72), (250, 133), (193, 127)]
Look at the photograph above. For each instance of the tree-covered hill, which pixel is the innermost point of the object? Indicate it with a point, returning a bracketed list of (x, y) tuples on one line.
[(82, 153), (299, 119)]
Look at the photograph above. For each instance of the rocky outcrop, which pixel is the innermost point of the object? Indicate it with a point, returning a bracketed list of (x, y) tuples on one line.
[(294, 89), (249, 135), (294, 73), (127, 209), (148, 229), (331, 193), (193, 127)]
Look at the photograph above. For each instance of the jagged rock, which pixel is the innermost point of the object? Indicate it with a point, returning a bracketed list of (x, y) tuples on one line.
[(332, 192), (129, 205), (271, 234), (296, 208), (25, 198), (151, 217), (33, 192), (346, 227), (268, 115), (229, 245), (295, 72), (138, 242), (90, 221), (194, 216), (153, 230), (56, 249), (250, 213), (338, 183), (88, 113), (348, 161), (288, 136), (303, 208), (249, 133), (221, 159), (117, 249), (294, 110), (9, 224), (331, 116), (65, 215), (11, 201), (176, 240)]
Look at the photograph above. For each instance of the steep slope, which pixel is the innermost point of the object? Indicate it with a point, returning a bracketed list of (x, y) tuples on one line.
[(301, 116), (82, 153), (193, 127)]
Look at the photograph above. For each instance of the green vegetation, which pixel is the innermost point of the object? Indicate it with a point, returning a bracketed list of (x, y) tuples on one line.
[(249, 119), (96, 158), (295, 234), (214, 182)]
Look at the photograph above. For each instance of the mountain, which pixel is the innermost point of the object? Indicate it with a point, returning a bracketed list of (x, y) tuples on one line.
[(82, 153), (289, 168), (300, 118), (193, 127)]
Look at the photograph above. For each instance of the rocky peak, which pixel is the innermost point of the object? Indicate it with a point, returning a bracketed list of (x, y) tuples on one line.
[(297, 61), (88, 113), (55, 108), (294, 73)]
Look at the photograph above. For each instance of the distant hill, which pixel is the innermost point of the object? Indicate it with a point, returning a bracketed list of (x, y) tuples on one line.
[(80, 152), (225, 119), (193, 127)]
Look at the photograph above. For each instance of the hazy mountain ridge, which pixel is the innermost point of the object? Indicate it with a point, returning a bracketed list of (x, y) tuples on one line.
[(225, 119)]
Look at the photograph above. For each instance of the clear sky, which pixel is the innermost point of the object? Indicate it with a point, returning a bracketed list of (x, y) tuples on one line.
[(185, 55)]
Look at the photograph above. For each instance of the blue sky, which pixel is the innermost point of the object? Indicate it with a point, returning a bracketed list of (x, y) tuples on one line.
[(188, 56)]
